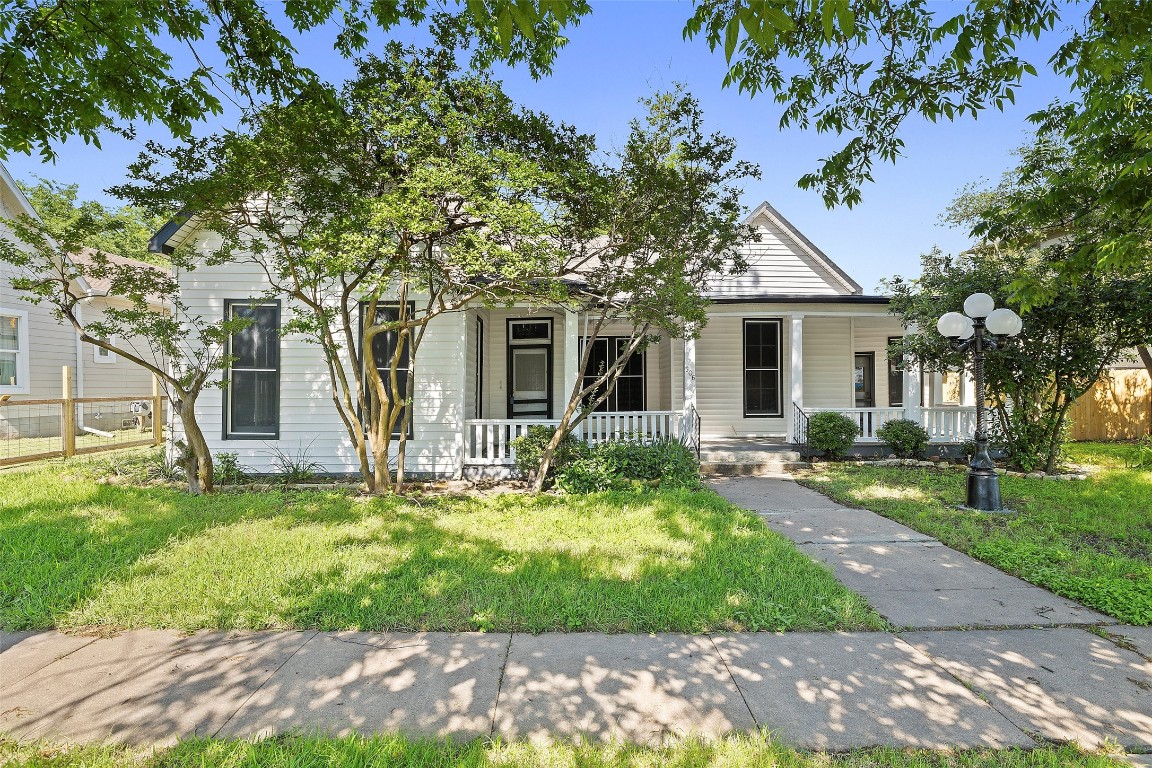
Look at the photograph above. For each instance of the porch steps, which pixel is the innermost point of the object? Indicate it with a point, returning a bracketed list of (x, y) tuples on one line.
[(749, 462)]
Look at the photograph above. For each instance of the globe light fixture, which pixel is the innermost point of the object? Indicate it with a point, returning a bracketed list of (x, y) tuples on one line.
[(980, 330)]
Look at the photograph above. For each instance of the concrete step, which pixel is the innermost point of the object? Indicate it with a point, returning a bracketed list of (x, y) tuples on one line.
[(725, 456), (750, 469)]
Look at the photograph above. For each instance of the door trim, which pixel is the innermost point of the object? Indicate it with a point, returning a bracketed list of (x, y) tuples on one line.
[(870, 381), (509, 345)]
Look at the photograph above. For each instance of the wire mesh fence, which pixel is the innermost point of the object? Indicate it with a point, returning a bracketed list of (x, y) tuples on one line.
[(42, 429)]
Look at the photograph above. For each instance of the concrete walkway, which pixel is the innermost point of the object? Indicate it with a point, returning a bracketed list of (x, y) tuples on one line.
[(913, 580), (1028, 680)]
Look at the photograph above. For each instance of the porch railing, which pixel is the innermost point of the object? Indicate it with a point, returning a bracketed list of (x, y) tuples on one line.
[(487, 442), (944, 425)]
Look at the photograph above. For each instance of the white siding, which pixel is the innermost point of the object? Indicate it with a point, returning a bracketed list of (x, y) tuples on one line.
[(827, 362), (309, 421), (778, 265), (120, 377), (720, 377)]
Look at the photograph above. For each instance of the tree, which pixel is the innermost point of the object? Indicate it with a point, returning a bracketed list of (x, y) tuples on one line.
[(646, 237), (430, 190), (77, 68), (122, 230), (186, 350), (1069, 340)]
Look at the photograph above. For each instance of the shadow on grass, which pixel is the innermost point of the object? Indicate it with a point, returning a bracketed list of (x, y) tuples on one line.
[(78, 553)]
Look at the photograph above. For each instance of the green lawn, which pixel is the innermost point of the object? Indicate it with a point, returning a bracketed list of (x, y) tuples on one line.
[(77, 553), (1088, 540), (395, 751)]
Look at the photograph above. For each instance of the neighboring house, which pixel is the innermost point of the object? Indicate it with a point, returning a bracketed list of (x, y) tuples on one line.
[(793, 335), (35, 347)]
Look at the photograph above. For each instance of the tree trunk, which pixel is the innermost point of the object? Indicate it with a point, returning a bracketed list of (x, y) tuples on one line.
[(1145, 353), (198, 459), (562, 430)]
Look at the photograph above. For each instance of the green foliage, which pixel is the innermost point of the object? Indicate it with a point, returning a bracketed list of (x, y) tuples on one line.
[(1087, 540), (76, 68), (76, 552), (906, 438), (832, 433), (618, 463), (294, 466), (1141, 455), (530, 446), (229, 470), (122, 231), (1065, 346)]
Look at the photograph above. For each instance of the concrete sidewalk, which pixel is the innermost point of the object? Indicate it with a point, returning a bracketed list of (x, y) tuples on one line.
[(820, 691)]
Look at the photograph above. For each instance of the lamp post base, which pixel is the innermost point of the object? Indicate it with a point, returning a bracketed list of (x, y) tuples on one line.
[(984, 491)]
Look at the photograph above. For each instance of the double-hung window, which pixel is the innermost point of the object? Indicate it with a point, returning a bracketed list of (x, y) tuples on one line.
[(628, 392), (383, 349), (252, 408), (762, 368), (13, 352)]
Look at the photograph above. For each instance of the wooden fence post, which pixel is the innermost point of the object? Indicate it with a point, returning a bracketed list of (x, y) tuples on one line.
[(157, 412), (68, 414)]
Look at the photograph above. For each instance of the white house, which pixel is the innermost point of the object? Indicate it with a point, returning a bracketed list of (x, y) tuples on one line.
[(35, 346), (793, 335)]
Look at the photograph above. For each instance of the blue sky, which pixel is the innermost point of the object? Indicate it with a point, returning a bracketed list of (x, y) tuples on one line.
[(627, 49)]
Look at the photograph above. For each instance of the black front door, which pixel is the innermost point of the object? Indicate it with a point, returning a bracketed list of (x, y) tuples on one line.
[(864, 380)]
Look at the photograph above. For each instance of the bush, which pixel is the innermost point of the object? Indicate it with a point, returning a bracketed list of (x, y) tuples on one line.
[(906, 438), (618, 463), (832, 433), (1141, 455), (529, 447), (228, 470)]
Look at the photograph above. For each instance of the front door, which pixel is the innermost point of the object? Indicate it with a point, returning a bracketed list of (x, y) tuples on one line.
[(864, 380), (529, 393)]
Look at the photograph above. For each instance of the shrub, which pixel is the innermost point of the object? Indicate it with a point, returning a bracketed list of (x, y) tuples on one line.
[(1141, 455), (228, 469), (832, 433), (617, 463), (295, 467), (529, 447), (906, 438)]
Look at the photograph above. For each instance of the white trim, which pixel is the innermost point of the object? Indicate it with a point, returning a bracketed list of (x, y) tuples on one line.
[(108, 358), (796, 348), (23, 354)]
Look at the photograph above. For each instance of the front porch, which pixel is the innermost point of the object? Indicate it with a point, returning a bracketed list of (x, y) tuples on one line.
[(709, 393)]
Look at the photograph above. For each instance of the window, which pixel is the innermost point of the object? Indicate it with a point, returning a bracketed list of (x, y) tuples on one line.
[(628, 393), (13, 352), (101, 355), (762, 368), (383, 347), (895, 377), (253, 394), (479, 384)]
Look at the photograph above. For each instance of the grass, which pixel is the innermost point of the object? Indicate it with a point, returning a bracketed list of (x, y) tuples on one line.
[(78, 553), (397, 751), (1088, 540)]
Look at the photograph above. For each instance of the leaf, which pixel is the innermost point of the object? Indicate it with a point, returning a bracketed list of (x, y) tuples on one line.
[(731, 37)]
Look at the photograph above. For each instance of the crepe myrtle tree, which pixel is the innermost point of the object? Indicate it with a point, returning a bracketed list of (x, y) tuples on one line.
[(645, 236), (430, 190), (183, 350)]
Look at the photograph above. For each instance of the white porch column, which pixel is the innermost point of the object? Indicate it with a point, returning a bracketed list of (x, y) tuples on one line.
[(571, 356), (797, 349), (462, 399), (689, 373), (913, 376)]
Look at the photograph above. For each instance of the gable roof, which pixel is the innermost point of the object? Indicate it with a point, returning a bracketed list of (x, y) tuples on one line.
[(810, 248), (100, 286)]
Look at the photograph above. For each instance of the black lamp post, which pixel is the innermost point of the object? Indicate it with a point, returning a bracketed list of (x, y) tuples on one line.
[(979, 330)]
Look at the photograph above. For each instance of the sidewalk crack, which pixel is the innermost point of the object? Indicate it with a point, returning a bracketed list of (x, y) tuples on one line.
[(732, 677), (500, 686), (263, 683)]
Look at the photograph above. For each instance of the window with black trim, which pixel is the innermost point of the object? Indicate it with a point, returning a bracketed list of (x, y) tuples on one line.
[(383, 347), (762, 368), (629, 390), (895, 376), (252, 408)]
